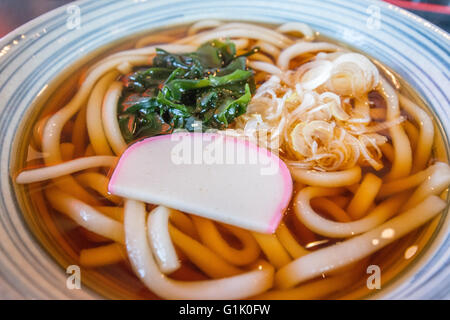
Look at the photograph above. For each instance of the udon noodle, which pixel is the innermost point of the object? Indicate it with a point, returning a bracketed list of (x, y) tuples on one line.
[(359, 151)]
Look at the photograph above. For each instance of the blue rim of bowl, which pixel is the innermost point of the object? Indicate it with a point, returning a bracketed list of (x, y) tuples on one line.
[(405, 28)]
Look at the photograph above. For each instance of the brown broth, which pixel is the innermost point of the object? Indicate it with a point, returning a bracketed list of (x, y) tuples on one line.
[(64, 239)]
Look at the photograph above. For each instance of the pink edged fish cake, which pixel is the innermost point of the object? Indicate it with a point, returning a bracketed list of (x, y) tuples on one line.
[(223, 178)]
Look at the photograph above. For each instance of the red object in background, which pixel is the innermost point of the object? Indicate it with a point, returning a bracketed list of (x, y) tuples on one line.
[(420, 6)]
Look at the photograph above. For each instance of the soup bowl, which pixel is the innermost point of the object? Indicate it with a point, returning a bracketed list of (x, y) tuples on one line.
[(38, 56)]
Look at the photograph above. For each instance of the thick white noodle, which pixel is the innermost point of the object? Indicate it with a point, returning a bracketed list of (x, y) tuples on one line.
[(238, 33), (52, 131), (85, 215), (140, 254), (154, 39), (265, 67), (313, 290), (203, 24), (300, 48), (145, 52), (333, 229), (326, 179), (402, 164), (308, 33), (426, 136), (65, 168), (162, 246), (256, 28), (94, 122), (268, 48), (436, 183), (411, 181)]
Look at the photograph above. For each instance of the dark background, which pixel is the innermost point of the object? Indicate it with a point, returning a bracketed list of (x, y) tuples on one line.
[(14, 13)]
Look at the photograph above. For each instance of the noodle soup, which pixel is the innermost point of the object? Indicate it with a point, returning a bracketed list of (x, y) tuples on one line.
[(366, 159)]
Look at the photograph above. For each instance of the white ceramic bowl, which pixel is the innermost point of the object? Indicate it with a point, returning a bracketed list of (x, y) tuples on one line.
[(33, 56)]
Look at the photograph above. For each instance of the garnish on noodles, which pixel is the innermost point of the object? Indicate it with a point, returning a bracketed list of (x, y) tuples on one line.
[(320, 114), (211, 85)]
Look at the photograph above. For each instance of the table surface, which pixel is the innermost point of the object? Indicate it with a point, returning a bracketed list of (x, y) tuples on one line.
[(14, 13)]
